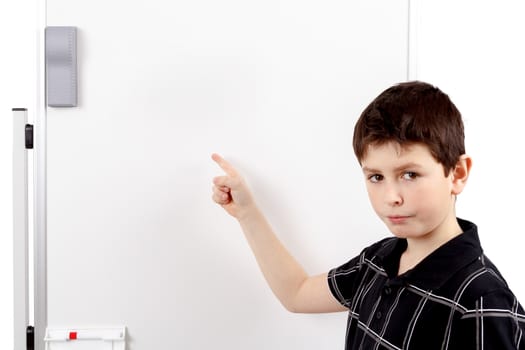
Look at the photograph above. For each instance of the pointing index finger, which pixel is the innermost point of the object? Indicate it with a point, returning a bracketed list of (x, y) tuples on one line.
[(223, 163)]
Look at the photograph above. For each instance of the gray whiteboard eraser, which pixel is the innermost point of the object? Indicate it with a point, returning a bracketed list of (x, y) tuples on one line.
[(61, 66)]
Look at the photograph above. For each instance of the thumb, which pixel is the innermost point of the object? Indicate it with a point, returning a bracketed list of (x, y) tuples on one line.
[(223, 182)]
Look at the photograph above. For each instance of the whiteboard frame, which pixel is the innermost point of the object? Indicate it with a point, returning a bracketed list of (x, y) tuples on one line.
[(40, 182), (413, 19)]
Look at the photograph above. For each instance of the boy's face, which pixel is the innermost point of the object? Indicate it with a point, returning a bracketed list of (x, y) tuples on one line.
[(409, 191)]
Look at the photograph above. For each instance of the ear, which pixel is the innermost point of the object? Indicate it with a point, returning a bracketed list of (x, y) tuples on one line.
[(460, 174)]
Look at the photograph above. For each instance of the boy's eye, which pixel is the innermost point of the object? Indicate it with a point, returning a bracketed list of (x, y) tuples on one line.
[(409, 175), (375, 178)]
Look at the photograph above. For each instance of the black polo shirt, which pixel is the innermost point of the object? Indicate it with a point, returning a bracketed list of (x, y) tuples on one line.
[(453, 299)]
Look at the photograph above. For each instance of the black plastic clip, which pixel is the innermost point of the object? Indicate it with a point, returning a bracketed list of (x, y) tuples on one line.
[(29, 136), (30, 338)]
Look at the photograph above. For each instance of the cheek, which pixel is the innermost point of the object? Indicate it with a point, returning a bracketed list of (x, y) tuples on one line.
[(420, 195), (431, 198), (374, 197)]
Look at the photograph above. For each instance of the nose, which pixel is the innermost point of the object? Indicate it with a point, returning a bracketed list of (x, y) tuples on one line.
[(393, 196)]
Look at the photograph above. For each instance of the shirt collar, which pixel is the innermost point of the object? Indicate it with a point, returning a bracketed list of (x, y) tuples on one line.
[(434, 270)]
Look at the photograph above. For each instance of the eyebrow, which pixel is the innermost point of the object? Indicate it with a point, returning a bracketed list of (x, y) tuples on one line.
[(396, 169)]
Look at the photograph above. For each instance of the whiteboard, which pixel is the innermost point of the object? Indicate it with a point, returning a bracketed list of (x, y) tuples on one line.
[(275, 86)]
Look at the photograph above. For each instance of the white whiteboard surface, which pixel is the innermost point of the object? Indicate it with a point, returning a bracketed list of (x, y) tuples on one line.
[(274, 86)]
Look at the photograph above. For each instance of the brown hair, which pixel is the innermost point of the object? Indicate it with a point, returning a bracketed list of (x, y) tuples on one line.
[(413, 112)]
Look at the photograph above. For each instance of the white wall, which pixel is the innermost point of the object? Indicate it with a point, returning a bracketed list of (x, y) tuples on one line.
[(17, 89), (475, 53)]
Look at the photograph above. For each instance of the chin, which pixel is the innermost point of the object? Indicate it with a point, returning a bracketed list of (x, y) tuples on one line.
[(397, 231), (400, 234), (401, 231)]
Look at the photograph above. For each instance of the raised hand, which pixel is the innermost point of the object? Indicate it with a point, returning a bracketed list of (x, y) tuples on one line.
[(230, 190)]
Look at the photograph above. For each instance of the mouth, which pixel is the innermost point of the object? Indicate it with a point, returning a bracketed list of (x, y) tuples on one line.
[(398, 219)]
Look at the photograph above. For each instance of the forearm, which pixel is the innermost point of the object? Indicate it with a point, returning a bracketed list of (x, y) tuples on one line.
[(282, 272), (293, 287)]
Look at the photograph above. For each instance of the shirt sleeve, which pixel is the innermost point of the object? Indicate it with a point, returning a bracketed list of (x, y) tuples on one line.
[(342, 280), (497, 321)]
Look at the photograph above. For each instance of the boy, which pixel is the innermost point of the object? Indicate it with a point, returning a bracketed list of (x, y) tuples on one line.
[(428, 287)]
